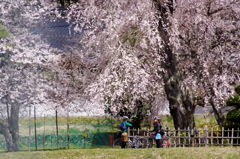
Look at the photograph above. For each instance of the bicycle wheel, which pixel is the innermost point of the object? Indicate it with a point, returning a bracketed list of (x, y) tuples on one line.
[(117, 143), (150, 144), (165, 142), (132, 142), (129, 144), (144, 143)]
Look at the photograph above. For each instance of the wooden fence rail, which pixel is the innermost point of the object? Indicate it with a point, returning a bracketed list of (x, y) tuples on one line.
[(197, 137)]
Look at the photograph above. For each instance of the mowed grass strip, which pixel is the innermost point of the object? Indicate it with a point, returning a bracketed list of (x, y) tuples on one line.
[(108, 153)]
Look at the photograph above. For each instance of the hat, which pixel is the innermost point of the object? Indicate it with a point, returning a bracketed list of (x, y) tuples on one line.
[(156, 117), (125, 117)]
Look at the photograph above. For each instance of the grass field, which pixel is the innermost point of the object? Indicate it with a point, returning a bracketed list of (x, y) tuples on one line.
[(152, 153)]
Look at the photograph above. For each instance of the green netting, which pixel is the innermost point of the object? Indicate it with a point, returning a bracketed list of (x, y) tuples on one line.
[(63, 141), (70, 135), (2, 143)]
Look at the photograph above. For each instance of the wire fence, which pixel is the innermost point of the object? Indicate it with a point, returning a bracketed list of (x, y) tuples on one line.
[(46, 134)]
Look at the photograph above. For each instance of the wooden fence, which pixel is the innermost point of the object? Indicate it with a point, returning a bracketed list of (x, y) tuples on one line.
[(197, 137)]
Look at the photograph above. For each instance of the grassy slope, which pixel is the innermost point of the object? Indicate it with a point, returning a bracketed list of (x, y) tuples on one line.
[(166, 153)]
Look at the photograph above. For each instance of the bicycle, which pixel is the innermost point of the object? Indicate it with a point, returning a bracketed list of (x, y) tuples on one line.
[(165, 141), (133, 142)]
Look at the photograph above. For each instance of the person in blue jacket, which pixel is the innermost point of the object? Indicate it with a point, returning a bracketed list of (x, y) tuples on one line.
[(124, 136)]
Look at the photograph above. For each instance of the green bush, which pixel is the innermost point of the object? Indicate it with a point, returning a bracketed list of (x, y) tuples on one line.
[(237, 90), (234, 115), (229, 125), (233, 101)]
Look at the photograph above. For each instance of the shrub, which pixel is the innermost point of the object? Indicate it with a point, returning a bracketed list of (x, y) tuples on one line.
[(237, 90), (233, 101), (234, 115), (229, 125)]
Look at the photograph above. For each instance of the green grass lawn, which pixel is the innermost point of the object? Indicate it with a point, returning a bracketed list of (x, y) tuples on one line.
[(152, 153)]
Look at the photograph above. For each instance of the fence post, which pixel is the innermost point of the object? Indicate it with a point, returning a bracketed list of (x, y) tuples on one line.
[(199, 137), (237, 136), (192, 137), (222, 136), (179, 137), (205, 135), (167, 131), (217, 131), (212, 137), (232, 136)]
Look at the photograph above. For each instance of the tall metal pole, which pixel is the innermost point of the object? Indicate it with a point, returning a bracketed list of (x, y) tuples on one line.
[(29, 129), (35, 127), (44, 132), (68, 135), (57, 126)]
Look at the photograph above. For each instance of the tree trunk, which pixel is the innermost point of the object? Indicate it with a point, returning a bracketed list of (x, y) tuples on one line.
[(189, 109), (11, 141), (10, 128), (219, 116), (181, 108)]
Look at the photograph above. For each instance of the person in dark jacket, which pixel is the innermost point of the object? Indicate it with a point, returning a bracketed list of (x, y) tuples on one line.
[(156, 130)]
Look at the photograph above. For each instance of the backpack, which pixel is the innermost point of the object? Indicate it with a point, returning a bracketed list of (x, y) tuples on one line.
[(121, 126), (162, 132), (118, 134)]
